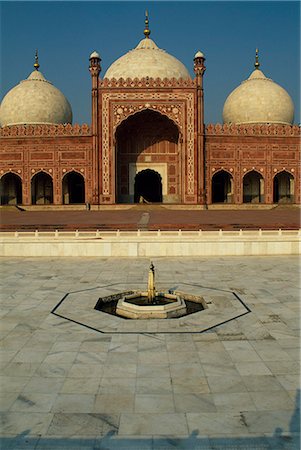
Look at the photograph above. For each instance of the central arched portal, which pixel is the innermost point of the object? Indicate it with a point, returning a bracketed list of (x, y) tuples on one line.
[(148, 187), (147, 159)]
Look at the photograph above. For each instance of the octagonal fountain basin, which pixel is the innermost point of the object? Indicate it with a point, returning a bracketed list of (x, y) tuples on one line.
[(150, 304), (163, 306)]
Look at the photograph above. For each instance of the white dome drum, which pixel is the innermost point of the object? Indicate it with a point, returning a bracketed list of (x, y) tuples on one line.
[(35, 101), (258, 100)]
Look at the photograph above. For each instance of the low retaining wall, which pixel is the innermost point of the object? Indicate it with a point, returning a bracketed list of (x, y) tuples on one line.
[(150, 243)]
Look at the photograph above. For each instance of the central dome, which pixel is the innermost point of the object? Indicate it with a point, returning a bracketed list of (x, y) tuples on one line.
[(147, 60)]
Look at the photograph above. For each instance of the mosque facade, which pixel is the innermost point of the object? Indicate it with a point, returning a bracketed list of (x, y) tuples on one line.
[(147, 141)]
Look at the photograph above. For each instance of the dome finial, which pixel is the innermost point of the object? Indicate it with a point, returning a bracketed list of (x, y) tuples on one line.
[(146, 29), (36, 64), (257, 63)]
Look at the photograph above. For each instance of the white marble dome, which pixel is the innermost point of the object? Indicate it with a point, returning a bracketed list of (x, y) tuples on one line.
[(258, 100), (147, 60), (35, 101)]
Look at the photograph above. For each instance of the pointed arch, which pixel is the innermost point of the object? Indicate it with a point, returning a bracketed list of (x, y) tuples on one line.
[(73, 188), (41, 189), (152, 139), (253, 187), (222, 187), (283, 187), (11, 189)]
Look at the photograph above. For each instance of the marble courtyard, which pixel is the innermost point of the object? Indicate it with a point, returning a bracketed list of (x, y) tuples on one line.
[(70, 386)]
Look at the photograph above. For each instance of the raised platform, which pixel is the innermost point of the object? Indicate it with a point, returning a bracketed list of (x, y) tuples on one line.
[(150, 243), (150, 217)]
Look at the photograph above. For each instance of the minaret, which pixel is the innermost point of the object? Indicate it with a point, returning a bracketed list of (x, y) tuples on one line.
[(199, 70), (95, 69)]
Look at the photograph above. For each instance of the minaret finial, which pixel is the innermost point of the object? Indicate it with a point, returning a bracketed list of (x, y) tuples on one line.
[(36, 64), (146, 29), (257, 63)]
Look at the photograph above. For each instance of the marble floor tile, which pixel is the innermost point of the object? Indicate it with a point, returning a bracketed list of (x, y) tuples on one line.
[(33, 402), (114, 403), (79, 370), (7, 399), (73, 403), (154, 403), (16, 423), (228, 383), (150, 424), (194, 403), (262, 383), (210, 422), (234, 401), (70, 424), (117, 370), (269, 401), (43, 385), (153, 358), (283, 367), (186, 370), (183, 385), (154, 385), (79, 385), (13, 384), (252, 368), (53, 370), (117, 385), (217, 369), (290, 382), (183, 357), (147, 371)]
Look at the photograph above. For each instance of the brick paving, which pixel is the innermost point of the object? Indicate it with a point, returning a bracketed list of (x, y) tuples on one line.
[(150, 218)]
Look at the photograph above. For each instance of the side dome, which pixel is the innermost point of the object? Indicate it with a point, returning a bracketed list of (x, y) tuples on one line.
[(147, 60), (35, 101), (258, 100)]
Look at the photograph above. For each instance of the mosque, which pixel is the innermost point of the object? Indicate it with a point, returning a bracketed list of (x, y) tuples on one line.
[(147, 141)]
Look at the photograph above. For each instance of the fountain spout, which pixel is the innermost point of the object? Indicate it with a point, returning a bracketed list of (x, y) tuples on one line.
[(151, 291)]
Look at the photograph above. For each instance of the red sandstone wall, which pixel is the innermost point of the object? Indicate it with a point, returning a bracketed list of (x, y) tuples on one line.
[(267, 149), (55, 150)]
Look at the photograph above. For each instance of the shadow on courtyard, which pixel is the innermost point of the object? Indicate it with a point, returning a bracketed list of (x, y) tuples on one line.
[(278, 441)]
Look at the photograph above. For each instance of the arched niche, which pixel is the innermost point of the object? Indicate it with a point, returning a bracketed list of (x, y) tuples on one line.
[(222, 187), (73, 188), (283, 187), (11, 189), (147, 140), (253, 187), (41, 189)]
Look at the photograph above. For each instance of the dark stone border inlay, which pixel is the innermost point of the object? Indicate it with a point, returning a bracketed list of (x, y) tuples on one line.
[(235, 295)]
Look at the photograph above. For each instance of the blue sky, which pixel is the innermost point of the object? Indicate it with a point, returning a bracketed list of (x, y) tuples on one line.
[(65, 34)]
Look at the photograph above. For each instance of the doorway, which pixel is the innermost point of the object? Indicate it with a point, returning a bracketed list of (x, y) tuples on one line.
[(148, 187)]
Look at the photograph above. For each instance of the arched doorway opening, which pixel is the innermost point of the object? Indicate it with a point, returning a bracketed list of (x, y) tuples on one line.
[(148, 140), (283, 188), (222, 187), (148, 187), (253, 188), (73, 188), (41, 189), (11, 189)]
